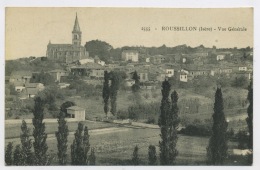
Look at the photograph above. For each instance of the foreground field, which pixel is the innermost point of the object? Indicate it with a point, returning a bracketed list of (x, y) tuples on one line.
[(114, 145)]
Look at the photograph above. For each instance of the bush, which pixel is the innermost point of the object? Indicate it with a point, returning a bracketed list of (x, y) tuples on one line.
[(242, 139), (122, 114), (241, 82), (151, 120), (193, 130)]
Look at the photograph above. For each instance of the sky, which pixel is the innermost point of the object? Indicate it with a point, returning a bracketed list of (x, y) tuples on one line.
[(29, 30)]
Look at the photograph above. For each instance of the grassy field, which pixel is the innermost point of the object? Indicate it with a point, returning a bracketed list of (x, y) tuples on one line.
[(114, 146)]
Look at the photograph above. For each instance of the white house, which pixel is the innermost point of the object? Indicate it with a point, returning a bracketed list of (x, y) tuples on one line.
[(242, 68), (19, 86), (100, 62), (76, 112), (220, 57), (87, 60), (147, 60), (170, 72), (130, 55), (183, 77)]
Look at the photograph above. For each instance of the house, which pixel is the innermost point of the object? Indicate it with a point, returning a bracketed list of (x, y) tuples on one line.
[(147, 60), (220, 57), (183, 77), (129, 82), (226, 70), (58, 74), (33, 88), (97, 73), (169, 72), (38, 86), (158, 59), (77, 113), (86, 60), (31, 92), (194, 71), (242, 68), (19, 86), (20, 76), (63, 85), (130, 55), (143, 76), (100, 62)]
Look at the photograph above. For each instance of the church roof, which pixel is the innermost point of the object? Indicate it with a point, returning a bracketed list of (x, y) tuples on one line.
[(76, 27)]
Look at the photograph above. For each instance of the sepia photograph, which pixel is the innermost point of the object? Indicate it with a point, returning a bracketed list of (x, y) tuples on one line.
[(107, 86)]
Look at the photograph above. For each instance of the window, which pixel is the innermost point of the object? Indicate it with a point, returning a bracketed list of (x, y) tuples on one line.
[(75, 36)]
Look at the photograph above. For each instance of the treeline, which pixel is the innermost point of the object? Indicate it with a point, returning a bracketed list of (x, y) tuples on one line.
[(105, 51)]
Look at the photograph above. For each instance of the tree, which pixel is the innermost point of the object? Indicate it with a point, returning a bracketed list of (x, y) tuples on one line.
[(44, 78), (62, 138), (18, 155), (152, 155), (39, 144), (174, 121), (106, 92), (92, 157), (26, 145), (99, 48), (65, 105), (135, 159), (115, 82), (240, 81), (136, 86), (217, 148), (249, 119), (80, 146), (164, 124), (8, 154)]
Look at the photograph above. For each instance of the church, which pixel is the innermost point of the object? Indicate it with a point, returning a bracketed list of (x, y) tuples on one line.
[(68, 53)]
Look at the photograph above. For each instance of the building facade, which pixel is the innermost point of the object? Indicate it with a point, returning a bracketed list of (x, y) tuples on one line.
[(68, 53), (130, 55)]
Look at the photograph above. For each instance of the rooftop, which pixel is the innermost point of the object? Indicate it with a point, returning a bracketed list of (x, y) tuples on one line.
[(75, 108)]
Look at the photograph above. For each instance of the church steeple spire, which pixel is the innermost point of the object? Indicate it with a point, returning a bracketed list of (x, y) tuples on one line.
[(76, 33), (76, 25)]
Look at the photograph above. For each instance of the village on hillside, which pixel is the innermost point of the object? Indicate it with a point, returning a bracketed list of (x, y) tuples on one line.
[(71, 78)]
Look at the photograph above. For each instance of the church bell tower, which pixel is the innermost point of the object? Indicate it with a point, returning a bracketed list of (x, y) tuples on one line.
[(76, 33)]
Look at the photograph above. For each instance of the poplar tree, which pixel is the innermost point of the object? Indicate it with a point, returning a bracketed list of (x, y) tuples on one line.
[(217, 148), (135, 159), (106, 92), (18, 160), (249, 119), (80, 146), (152, 159), (92, 157), (115, 80), (9, 153), (174, 123), (163, 123), (136, 86), (26, 145), (39, 144), (62, 138)]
